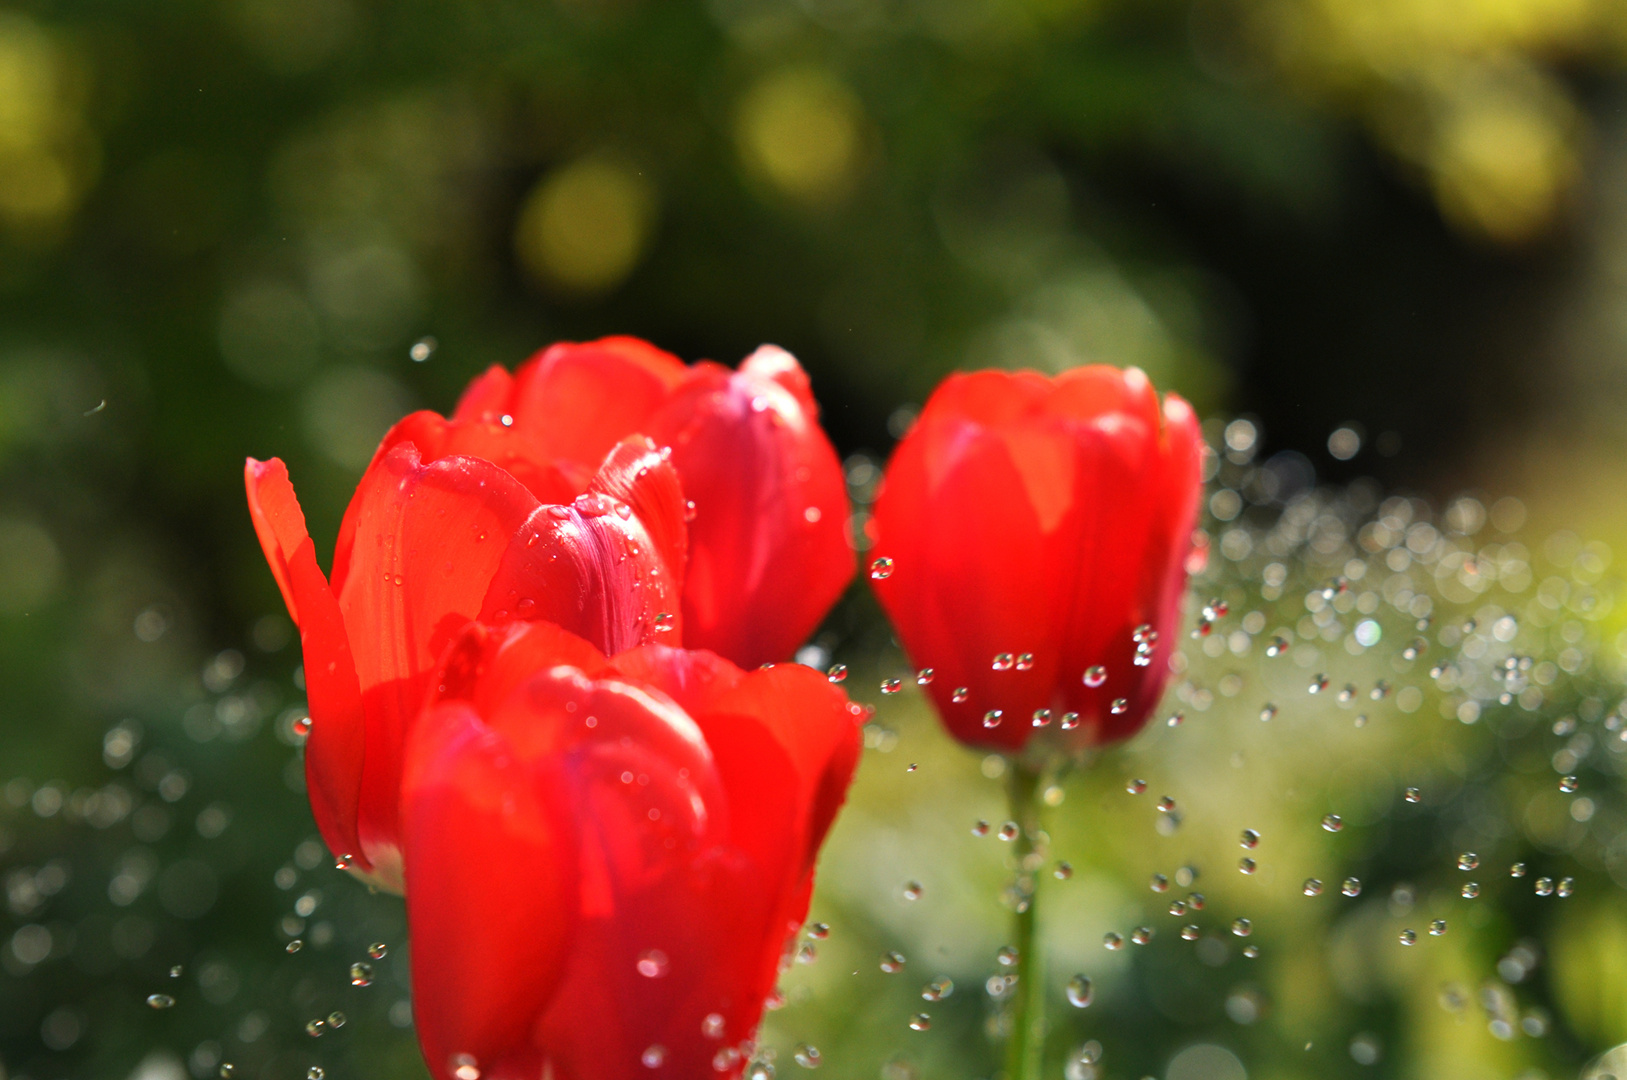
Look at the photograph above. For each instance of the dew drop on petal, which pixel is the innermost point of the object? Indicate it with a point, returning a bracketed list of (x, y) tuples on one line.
[(960, 695), (1121, 706), (1190, 932), (1042, 717), (1080, 992), (712, 1026), (654, 1056), (992, 718), (1004, 661), (1070, 720), (1025, 661), (652, 963), (1095, 675)]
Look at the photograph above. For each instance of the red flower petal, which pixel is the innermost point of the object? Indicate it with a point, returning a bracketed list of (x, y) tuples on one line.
[(579, 400), (769, 494), (491, 896), (334, 748)]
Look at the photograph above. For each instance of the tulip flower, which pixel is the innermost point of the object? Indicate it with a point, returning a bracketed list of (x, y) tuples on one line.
[(427, 546), (764, 484), (1031, 537), (607, 858)]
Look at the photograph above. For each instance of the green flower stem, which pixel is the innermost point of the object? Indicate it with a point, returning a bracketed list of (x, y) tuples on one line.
[(1025, 1044)]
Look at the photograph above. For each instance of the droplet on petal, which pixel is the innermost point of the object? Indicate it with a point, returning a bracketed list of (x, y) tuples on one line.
[(1095, 675)]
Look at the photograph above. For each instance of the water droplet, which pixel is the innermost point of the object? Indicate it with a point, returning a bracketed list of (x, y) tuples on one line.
[(1380, 690), (992, 718), (938, 989), (1242, 927), (1141, 935), (1007, 956), (1025, 661), (1042, 717), (1009, 831), (361, 974), (1070, 720), (1468, 860), (294, 946), (665, 622), (464, 1067), (1247, 865), (1004, 661), (378, 950), (760, 1070), (1566, 887), (1063, 871), (892, 962), (1333, 823), (980, 827), (912, 890), (1278, 646), (1080, 992), (881, 569), (302, 726), (1160, 883), (1095, 675), (1413, 795), (712, 1026), (315, 1028), (1312, 887), (1437, 928), (1166, 805), (1471, 889), (1268, 713), (1251, 952), (1347, 695), (1250, 839), (1569, 784), (1351, 886), (891, 686), (1121, 706), (924, 676), (1175, 719), (1190, 932), (960, 695), (807, 954), (160, 1001), (227, 1070), (1136, 787), (1195, 901), (175, 972), (336, 1020), (836, 673), (654, 1056), (1545, 886), (314, 1073), (652, 963), (1113, 942), (344, 862), (920, 1022), (1407, 937), (689, 509), (1318, 684)]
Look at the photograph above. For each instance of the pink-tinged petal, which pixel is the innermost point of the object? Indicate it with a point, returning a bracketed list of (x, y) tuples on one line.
[(639, 474), (334, 749), (429, 540), (579, 400), (593, 567), (768, 494), (491, 893)]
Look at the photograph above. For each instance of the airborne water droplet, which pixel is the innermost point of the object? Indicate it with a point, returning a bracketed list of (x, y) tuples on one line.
[(1408, 937), (836, 673), (1468, 860), (1080, 992), (892, 962), (1333, 823), (1351, 887), (920, 1022), (881, 569), (361, 974), (1242, 927), (160, 1001), (1095, 675)]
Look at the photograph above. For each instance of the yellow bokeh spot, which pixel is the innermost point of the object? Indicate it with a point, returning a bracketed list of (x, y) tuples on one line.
[(1590, 972), (586, 225), (1502, 167), (801, 130), (46, 155)]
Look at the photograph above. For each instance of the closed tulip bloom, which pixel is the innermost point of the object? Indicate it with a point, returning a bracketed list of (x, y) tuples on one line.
[(768, 504), (607, 858), (1033, 534), (430, 543)]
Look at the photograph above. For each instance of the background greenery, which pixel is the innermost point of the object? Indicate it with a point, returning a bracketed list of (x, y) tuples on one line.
[(224, 227)]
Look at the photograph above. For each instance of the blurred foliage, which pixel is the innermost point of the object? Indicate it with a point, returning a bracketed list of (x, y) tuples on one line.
[(273, 226)]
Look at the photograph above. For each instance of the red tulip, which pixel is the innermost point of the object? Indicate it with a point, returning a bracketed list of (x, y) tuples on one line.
[(1031, 539), (607, 858), (426, 547), (767, 546)]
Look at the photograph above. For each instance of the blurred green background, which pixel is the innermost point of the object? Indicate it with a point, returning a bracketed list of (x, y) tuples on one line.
[(1392, 233)]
